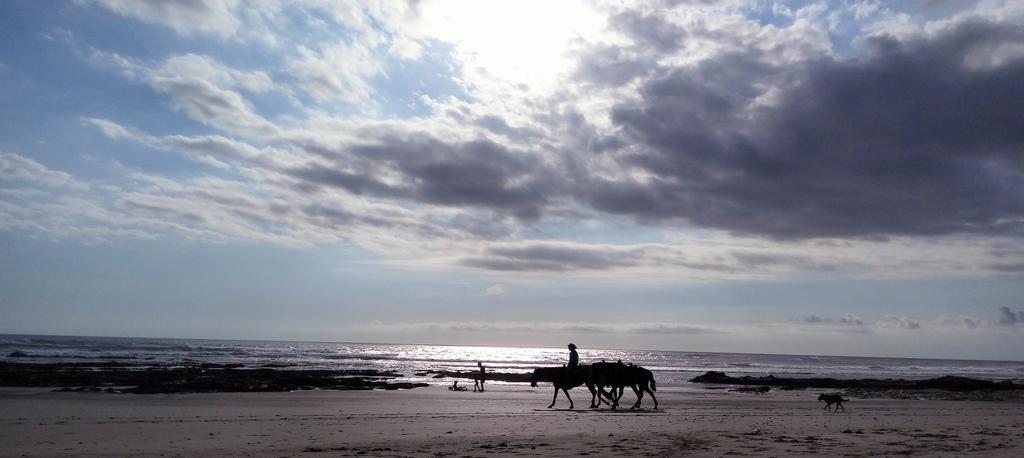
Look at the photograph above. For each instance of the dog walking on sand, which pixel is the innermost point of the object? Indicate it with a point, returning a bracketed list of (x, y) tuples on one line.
[(833, 399)]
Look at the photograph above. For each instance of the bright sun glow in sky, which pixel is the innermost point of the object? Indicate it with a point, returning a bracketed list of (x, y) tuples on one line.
[(526, 42)]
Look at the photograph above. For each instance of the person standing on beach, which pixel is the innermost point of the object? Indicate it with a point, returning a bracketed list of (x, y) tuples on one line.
[(574, 359), (478, 385)]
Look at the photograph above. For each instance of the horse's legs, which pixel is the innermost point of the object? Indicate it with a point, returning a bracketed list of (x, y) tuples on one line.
[(555, 397), (603, 396), (639, 396), (566, 391), (838, 405), (652, 397), (593, 396)]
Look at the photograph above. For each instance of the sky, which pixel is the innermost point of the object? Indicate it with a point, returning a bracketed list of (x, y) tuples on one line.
[(833, 177)]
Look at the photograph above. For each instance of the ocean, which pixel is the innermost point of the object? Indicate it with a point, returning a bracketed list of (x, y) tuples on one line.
[(671, 368)]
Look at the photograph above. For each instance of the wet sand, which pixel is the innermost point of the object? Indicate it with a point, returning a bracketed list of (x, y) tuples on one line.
[(505, 420)]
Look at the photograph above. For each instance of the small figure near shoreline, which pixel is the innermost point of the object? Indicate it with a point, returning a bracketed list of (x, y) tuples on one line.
[(455, 387), (478, 382)]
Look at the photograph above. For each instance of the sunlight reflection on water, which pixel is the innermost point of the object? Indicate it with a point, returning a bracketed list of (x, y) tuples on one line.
[(672, 368)]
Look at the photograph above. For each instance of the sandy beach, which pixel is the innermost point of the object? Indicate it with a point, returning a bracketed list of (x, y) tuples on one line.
[(505, 420)]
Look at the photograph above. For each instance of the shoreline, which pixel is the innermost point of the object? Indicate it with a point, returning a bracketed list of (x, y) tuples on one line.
[(131, 377)]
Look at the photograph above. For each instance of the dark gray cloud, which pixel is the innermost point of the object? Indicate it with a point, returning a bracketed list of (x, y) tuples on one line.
[(478, 173), (919, 137), (499, 126), (847, 320), (617, 65), (554, 258), (1008, 317), (850, 319), (1013, 267), (759, 260), (613, 65), (649, 29), (814, 319), (356, 183)]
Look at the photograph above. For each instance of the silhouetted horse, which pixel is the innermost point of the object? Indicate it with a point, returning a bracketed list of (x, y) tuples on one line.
[(618, 376), (565, 378)]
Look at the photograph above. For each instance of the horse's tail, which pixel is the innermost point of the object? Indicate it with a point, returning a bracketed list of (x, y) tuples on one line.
[(650, 375)]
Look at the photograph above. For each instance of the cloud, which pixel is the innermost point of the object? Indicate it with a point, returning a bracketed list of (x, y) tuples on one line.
[(964, 321), (207, 69), (214, 150), (16, 168), (338, 72), (908, 140), (612, 66), (495, 290), (848, 319), (478, 173), (203, 88), (112, 129), (555, 257), (205, 91), (677, 119), (582, 328), (1013, 267), (696, 257), (1008, 317), (186, 17), (900, 322), (649, 30)]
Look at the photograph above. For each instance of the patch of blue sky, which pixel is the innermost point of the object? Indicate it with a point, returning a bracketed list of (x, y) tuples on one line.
[(831, 296), (120, 282), (781, 14), (434, 74), (48, 78), (768, 12), (48, 125), (302, 27), (54, 83)]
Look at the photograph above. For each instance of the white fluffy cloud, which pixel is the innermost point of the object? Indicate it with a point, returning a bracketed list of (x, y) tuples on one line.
[(26, 171), (187, 17), (338, 71)]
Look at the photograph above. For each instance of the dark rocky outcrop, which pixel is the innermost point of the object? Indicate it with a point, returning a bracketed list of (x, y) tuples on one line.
[(203, 378), (472, 375), (949, 383)]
